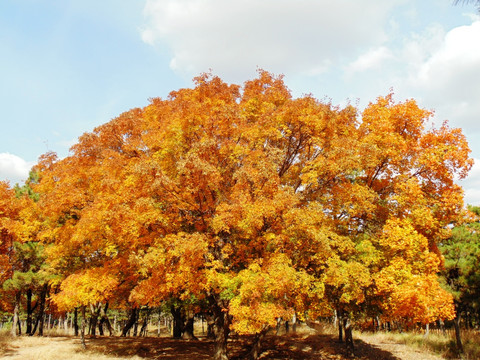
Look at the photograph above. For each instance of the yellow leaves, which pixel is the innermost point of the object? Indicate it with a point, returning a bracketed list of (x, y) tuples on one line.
[(264, 292), (85, 288), (400, 239), (349, 278)]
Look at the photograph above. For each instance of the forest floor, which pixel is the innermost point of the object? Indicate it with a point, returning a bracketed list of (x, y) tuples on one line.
[(295, 346)]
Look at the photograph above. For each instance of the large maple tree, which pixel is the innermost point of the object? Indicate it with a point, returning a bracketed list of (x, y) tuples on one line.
[(260, 205)]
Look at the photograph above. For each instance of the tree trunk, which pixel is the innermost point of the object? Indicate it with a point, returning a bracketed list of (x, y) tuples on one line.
[(95, 312), (131, 321), (15, 315), (104, 320), (65, 324), (294, 323), (82, 330), (458, 337), (347, 326), (178, 321), (135, 327), (221, 328), (146, 319), (41, 311), (75, 321), (100, 327), (427, 331), (255, 352), (340, 325), (188, 328), (277, 327), (210, 324), (28, 329)]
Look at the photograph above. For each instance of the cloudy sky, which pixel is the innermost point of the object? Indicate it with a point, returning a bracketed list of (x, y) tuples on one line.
[(68, 66)]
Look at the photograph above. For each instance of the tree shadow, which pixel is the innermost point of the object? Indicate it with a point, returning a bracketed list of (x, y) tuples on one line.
[(151, 347), (318, 346), (7, 349), (293, 346), (288, 346)]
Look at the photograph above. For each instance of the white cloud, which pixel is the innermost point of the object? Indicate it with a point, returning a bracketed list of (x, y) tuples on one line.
[(372, 59), (235, 37), (14, 168), (373, 44), (449, 77), (471, 185)]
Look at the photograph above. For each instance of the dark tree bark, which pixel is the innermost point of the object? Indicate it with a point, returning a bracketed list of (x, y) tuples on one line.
[(104, 321), (188, 328), (28, 329), (347, 326), (178, 321), (95, 312), (75, 321), (458, 337), (340, 325), (19, 323), (256, 349), (135, 326), (221, 328), (41, 311), (132, 319), (143, 329)]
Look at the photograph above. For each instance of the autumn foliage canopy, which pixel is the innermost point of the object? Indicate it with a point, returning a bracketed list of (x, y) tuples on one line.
[(257, 205)]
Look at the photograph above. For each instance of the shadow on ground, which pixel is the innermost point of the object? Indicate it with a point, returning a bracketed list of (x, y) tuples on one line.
[(6, 349), (290, 346)]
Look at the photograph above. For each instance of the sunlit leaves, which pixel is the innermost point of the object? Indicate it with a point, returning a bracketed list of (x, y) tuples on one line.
[(85, 288), (264, 202)]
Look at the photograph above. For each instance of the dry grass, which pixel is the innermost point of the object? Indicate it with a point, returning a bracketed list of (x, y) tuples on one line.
[(48, 348), (435, 343), (471, 343), (431, 347)]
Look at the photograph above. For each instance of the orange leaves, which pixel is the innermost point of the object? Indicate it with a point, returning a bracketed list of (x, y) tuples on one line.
[(267, 202), (9, 216), (419, 299), (173, 267)]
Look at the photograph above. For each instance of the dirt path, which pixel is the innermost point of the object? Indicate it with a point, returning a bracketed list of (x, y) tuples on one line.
[(398, 351)]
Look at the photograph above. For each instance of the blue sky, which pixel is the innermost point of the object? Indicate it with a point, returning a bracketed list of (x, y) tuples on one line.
[(68, 66)]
